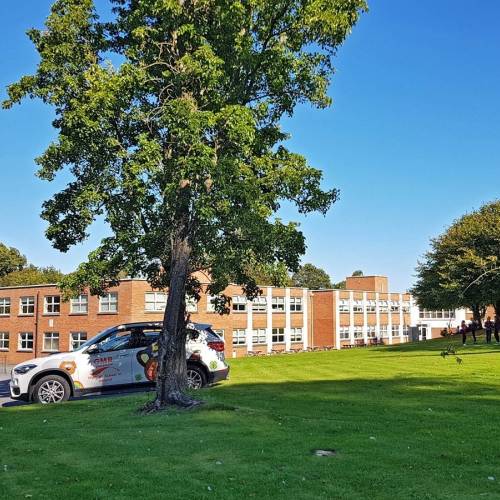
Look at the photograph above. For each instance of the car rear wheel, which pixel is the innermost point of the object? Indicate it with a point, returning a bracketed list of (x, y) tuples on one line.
[(51, 389), (196, 377)]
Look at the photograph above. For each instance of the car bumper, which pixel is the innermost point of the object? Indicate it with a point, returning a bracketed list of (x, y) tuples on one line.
[(15, 392), (218, 375)]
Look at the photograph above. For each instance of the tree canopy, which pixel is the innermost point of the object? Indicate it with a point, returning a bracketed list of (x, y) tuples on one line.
[(462, 267), (32, 275), (310, 276), (11, 260), (178, 145)]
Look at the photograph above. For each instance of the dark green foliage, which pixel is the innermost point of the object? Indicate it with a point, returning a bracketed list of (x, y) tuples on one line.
[(32, 275), (10, 260), (310, 276)]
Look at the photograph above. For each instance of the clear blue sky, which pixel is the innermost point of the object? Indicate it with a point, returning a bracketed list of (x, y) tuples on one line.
[(412, 140)]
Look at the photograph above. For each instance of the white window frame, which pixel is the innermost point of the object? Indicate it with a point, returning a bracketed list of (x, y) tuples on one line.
[(406, 306), (357, 306), (384, 331), (25, 337), (395, 306), (395, 330), (343, 306), (155, 302), (239, 336), (239, 304), (358, 332), (210, 304), (78, 341), (191, 304), (295, 304), (259, 336), (406, 330), (371, 332), (383, 306), (51, 337), (79, 304), (259, 304), (110, 299), (296, 334), (52, 304), (26, 304), (344, 333), (371, 306), (4, 341), (278, 333), (4, 306), (278, 304)]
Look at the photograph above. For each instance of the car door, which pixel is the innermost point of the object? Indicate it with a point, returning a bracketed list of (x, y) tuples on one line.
[(107, 363), (145, 357)]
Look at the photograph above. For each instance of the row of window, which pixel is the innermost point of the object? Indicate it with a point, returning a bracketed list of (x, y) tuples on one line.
[(259, 336), (25, 341), (371, 331), (384, 306), (52, 305), (440, 314), (259, 305)]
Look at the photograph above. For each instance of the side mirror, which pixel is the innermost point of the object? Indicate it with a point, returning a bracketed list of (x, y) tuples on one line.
[(93, 349)]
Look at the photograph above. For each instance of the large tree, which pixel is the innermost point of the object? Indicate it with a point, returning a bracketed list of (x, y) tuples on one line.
[(462, 267), (310, 276), (11, 260), (32, 275), (178, 143)]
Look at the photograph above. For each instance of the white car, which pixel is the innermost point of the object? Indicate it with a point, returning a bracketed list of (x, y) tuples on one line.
[(125, 355)]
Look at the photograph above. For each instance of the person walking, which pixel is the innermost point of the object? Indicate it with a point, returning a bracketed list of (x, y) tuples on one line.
[(488, 326), (463, 331), (497, 328), (473, 328)]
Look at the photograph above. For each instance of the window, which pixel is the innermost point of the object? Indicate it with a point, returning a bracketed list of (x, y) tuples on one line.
[(210, 304), (371, 306), (51, 342), (371, 332), (259, 336), (239, 303), (296, 335), (395, 330), (295, 304), (239, 337), (4, 341), (406, 307), (76, 340), (278, 335), (344, 306), (383, 330), (440, 314), (191, 305), (278, 304), (405, 330), (155, 301), (394, 307), (259, 304), (358, 306), (344, 333), (52, 304), (108, 303), (80, 304), (25, 341), (27, 305), (358, 332), (4, 306), (383, 306)]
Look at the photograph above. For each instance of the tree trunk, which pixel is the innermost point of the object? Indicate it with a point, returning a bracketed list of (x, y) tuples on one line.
[(172, 378), (476, 314), (496, 305)]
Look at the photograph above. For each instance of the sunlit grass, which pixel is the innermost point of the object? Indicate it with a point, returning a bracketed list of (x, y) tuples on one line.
[(404, 422)]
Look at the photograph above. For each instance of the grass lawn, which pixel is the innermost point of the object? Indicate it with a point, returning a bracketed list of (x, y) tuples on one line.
[(404, 422)]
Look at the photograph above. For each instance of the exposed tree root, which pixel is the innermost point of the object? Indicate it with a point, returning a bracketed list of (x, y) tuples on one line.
[(174, 400)]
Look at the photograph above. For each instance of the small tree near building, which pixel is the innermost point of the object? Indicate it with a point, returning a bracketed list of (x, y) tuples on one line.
[(179, 147), (312, 277)]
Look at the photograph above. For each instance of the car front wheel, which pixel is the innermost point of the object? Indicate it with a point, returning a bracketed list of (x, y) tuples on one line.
[(51, 389), (196, 377)]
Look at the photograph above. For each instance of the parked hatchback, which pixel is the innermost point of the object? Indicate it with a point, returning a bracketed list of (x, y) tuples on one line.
[(121, 356)]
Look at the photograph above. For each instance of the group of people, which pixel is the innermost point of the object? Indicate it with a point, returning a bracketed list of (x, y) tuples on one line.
[(489, 326)]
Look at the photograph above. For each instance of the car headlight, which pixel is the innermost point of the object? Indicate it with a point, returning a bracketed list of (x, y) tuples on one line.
[(21, 370)]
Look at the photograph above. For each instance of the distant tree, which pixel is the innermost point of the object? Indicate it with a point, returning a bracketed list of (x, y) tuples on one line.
[(462, 267), (310, 276), (32, 275), (180, 147), (342, 284), (357, 273), (270, 275), (11, 260)]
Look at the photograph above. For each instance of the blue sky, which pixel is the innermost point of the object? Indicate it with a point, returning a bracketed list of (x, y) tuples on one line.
[(412, 140)]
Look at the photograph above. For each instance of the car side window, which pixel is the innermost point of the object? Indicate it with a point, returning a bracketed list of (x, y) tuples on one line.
[(115, 342)]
